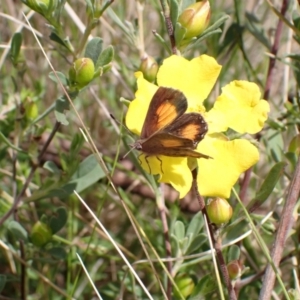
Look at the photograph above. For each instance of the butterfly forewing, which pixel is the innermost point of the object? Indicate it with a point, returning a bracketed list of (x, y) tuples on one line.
[(165, 107)]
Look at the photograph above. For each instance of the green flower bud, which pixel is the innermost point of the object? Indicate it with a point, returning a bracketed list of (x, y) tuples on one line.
[(31, 110), (185, 284), (82, 72), (234, 269), (293, 294), (219, 211), (149, 67), (195, 18), (41, 234), (295, 145)]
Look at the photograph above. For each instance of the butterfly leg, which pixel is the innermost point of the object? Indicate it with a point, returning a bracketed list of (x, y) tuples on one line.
[(146, 156), (160, 164), (141, 163)]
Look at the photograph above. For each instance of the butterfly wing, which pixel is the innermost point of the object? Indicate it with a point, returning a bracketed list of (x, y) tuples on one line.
[(189, 126), (169, 145), (166, 106)]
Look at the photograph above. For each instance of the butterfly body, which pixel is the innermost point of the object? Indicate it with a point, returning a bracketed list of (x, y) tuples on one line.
[(168, 130)]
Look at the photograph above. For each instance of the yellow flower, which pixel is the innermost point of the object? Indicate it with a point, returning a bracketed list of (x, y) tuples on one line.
[(239, 107)]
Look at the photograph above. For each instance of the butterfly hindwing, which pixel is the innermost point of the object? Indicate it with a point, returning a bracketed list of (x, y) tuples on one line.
[(170, 145), (189, 126), (166, 106)]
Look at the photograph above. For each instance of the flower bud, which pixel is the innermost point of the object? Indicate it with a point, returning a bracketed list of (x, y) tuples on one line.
[(234, 269), (149, 67), (195, 18), (82, 72), (295, 145), (219, 211), (293, 294), (185, 285), (31, 110), (41, 234)]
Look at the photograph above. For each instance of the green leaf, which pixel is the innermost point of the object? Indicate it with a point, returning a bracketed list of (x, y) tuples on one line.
[(195, 225), (54, 37), (203, 37), (296, 66), (17, 230), (9, 144), (2, 282), (179, 230), (233, 253), (235, 230), (15, 46), (62, 104), (257, 31), (58, 252), (76, 144), (90, 7), (206, 285), (232, 36), (179, 33), (58, 220), (292, 158), (105, 57), (61, 78), (196, 243), (269, 183), (296, 21), (88, 173), (174, 12), (52, 167), (93, 49), (161, 40)]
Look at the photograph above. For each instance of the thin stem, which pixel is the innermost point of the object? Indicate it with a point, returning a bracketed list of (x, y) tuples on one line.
[(23, 270), (245, 184), (274, 50), (170, 29), (216, 242), (162, 211), (285, 224), (31, 173)]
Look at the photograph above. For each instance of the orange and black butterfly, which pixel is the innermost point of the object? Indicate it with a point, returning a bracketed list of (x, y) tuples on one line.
[(168, 130)]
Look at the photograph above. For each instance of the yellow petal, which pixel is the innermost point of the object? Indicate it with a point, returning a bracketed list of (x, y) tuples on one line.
[(239, 107), (216, 176), (138, 108), (194, 78), (172, 170)]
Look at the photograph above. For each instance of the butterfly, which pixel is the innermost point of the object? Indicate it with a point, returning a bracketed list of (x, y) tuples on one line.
[(168, 130)]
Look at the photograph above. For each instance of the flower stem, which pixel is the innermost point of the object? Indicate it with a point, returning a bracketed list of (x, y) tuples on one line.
[(166, 11), (285, 225), (274, 50), (162, 211), (216, 242)]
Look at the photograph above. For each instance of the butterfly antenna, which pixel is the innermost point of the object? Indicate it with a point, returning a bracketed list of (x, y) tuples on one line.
[(126, 154), (121, 124)]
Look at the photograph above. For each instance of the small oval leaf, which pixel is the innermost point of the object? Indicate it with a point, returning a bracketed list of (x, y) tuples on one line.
[(17, 230), (179, 230), (58, 221)]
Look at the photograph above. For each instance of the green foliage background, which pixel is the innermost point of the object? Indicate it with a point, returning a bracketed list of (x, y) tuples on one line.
[(40, 240)]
